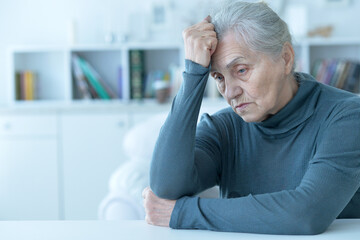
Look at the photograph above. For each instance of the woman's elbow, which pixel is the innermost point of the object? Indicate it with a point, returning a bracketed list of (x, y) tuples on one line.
[(172, 191), (313, 225), (165, 191)]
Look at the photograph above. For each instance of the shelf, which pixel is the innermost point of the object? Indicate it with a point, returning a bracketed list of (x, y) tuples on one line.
[(49, 71), (56, 82), (53, 67), (96, 47), (318, 41)]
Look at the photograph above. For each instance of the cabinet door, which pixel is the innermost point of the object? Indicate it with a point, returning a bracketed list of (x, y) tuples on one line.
[(92, 150), (28, 179)]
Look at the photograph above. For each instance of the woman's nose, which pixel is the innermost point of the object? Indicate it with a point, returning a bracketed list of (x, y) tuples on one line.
[(232, 89)]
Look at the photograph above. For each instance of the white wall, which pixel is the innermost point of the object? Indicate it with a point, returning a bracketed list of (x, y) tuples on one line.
[(44, 22)]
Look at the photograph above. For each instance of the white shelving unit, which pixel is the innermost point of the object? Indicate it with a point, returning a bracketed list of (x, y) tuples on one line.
[(309, 50), (52, 64), (57, 86)]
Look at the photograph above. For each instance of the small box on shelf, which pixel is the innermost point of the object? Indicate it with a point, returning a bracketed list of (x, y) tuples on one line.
[(151, 67)]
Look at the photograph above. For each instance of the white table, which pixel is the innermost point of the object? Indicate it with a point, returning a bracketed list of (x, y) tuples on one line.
[(119, 230)]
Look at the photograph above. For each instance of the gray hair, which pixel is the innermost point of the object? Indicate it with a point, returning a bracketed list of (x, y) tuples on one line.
[(255, 24)]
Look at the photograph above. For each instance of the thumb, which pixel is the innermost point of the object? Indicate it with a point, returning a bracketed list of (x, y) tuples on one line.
[(208, 19)]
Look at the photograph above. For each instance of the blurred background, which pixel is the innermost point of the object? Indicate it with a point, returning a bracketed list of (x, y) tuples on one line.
[(86, 85)]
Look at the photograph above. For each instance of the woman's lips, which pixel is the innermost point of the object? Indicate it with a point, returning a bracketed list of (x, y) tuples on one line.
[(241, 107)]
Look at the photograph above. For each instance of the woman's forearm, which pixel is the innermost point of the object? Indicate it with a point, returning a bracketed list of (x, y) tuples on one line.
[(173, 173)]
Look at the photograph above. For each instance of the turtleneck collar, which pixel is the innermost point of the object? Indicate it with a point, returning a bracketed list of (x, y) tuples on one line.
[(296, 111)]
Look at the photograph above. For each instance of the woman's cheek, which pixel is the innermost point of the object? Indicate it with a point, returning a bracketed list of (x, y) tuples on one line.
[(221, 87)]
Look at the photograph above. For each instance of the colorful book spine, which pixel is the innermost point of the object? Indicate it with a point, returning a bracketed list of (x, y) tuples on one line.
[(92, 79), (343, 74), (81, 83), (101, 81), (136, 74), (120, 83), (18, 86), (25, 83)]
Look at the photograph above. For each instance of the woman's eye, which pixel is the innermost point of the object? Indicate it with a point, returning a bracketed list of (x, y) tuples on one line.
[(242, 70), (218, 77)]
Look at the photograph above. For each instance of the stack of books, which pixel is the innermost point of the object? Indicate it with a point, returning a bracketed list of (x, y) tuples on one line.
[(89, 83), (25, 85), (343, 74)]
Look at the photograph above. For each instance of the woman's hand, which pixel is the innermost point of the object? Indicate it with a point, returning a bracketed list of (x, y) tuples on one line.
[(158, 211), (200, 42)]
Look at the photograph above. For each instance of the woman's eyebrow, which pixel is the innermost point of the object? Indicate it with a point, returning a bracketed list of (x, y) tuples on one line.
[(230, 64)]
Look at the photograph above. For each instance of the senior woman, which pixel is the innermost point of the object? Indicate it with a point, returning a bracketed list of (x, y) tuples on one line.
[(286, 154)]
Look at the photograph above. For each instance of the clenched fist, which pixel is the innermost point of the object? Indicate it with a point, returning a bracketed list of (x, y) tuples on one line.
[(200, 42), (158, 211)]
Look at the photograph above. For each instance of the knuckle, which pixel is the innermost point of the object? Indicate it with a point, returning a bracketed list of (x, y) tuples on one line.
[(186, 32), (147, 219), (150, 219), (146, 204)]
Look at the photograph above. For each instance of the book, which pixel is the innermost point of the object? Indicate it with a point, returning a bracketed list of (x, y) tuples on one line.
[(92, 79), (25, 84), (330, 71), (316, 68), (104, 84), (31, 85), (321, 72), (18, 86), (136, 74), (353, 81), (120, 82), (339, 68), (83, 88), (343, 76)]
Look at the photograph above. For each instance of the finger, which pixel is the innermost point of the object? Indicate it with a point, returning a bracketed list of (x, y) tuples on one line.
[(211, 43), (148, 220), (208, 34), (205, 26), (145, 192), (208, 19), (213, 46)]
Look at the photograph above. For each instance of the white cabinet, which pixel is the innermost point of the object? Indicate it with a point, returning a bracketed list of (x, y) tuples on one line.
[(91, 151), (55, 163), (29, 167)]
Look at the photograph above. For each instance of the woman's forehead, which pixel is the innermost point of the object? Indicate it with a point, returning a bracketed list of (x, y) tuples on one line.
[(230, 50), (227, 57)]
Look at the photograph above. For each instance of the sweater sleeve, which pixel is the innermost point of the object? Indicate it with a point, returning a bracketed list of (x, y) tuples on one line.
[(331, 180), (178, 167)]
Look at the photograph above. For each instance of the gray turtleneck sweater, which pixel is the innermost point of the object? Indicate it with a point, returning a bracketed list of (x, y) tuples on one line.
[(293, 173)]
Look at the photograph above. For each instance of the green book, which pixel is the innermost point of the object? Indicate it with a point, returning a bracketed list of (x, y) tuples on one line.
[(18, 86), (93, 80), (137, 74)]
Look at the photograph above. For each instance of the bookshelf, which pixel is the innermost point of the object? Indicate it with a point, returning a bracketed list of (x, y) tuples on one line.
[(55, 82), (309, 50)]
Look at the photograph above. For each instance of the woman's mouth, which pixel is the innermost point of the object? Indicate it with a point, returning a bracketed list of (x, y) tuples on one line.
[(241, 107)]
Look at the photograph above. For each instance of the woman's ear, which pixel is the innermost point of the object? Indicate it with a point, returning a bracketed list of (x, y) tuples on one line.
[(288, 56)]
